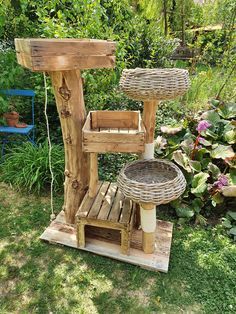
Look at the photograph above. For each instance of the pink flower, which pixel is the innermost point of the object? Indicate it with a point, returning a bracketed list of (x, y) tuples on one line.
[(203, 126), (222, 181), (201, 140)]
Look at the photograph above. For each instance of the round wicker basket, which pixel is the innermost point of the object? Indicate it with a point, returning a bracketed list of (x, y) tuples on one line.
[(154, 84), (153, 181)]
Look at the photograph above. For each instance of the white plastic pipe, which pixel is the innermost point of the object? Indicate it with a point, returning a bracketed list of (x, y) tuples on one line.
[(148, 219)]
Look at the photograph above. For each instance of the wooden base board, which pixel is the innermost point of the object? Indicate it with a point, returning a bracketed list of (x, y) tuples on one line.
[(107, 244)]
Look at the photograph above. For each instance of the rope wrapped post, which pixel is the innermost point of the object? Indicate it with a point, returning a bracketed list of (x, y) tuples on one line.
[(151, 86)]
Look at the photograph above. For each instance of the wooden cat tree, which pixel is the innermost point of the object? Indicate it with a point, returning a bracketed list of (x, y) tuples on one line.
[(96, 216)]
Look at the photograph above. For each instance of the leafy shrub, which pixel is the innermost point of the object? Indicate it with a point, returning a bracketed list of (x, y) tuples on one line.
[(26, 168), (206, 154)]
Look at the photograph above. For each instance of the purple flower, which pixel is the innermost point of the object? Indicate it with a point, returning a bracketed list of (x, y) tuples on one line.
[(222, 181), (203, 126)]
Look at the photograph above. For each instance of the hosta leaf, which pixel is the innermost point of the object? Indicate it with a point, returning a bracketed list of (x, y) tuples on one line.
[(182, 160), (227, 111), (184, 212), (214, 170), (199, 183), (195, 165), (222, 151)]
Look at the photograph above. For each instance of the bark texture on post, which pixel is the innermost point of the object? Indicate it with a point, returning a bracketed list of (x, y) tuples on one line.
[(68, 90), (149, 120)]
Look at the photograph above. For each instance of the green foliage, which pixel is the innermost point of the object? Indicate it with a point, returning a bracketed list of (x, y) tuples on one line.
[(207, 159), (229, 222), (26, 168)]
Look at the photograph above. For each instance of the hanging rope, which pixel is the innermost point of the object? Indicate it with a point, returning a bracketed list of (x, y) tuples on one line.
[(52, 216)]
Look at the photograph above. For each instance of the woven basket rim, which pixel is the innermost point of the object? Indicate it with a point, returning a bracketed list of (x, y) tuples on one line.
[(149, 185)]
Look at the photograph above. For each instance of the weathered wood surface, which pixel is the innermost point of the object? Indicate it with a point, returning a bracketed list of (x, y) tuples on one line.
[(68, 92), (115, 119), (104, 132), (64, 54), (106, 242), (149, 119), (93, 174), (100, 214)]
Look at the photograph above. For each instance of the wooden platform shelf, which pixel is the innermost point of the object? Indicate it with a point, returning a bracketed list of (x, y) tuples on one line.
[(108, 209), (113, 131), (107, 243)]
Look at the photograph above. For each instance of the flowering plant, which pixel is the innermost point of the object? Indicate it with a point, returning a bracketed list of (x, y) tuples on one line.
[(204, 148)]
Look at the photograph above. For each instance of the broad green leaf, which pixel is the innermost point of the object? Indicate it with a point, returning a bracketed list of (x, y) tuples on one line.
[(230, 136), (212, 116), (233, 231), (214, 170), (222, 151), (226, 223), (217, 198), (197, 204), (182, 160), (184, 212), (232, 175), (199, 183), (232, 214), (195, 165), (211, 134), (227, 111)]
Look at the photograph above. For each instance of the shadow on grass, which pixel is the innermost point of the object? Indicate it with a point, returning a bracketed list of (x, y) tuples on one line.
[(37, 277)]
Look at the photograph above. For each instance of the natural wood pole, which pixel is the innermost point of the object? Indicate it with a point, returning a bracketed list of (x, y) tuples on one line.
[(149, 120), (68, 90), (93, 174)]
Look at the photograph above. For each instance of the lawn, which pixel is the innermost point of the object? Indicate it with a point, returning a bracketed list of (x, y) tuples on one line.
[(38, 277)]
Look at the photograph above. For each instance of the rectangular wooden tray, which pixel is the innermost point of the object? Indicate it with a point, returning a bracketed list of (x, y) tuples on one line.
[(113, 131)]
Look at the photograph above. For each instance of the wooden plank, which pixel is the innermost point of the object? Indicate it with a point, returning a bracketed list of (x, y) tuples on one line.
[(87, 204), (107, 136), (126, 211), (65, 62), (108, 202), (113, 147), (158, 261), (115, 119), (65, 46), (116, 207), (24, 60), (98, 200)]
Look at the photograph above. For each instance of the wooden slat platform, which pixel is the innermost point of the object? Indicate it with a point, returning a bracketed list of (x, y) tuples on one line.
[(107, 209), (108, 244)]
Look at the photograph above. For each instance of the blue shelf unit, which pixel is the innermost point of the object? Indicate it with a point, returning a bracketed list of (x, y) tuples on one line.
[(6, 132)]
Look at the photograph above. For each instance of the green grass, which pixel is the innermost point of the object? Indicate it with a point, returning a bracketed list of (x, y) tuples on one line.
[(38, 277)]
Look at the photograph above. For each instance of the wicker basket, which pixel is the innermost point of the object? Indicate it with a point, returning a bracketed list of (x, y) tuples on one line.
[(154, 84), (153, 181)]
